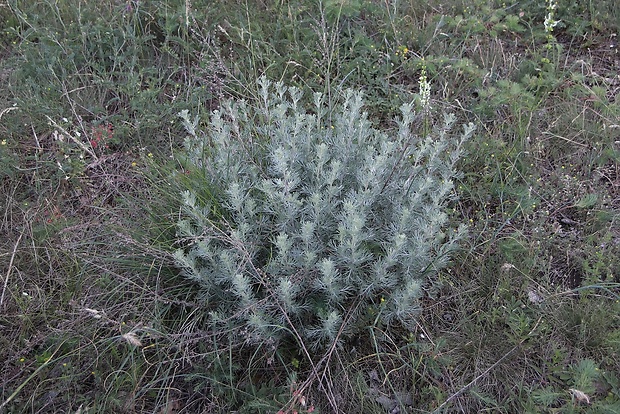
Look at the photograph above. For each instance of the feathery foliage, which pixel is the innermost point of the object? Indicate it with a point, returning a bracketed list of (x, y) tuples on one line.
[(318, 218)]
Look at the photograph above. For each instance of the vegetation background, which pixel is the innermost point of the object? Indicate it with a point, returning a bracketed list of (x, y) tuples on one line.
[(94, 316)]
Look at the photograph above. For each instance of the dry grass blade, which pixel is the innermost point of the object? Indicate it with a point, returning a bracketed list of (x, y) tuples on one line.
[(6, 110), (8, 272)]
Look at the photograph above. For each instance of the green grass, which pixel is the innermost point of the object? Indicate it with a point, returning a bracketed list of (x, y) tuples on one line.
[(94, 316)]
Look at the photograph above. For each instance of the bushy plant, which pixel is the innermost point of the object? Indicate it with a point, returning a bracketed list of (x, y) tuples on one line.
[(314, 218)]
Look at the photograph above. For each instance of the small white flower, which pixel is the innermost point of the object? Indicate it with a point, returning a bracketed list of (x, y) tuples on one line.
[(550, 22), (425, 90), (534, 296)]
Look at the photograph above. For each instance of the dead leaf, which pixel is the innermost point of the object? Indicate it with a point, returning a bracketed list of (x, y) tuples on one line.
[(581, 396), (132, 339)]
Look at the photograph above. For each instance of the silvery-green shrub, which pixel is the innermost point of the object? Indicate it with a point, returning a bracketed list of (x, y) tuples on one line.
[(313, 218)]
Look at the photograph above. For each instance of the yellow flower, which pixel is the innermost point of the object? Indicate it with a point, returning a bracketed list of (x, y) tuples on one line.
[(3, 142), (133, 164)]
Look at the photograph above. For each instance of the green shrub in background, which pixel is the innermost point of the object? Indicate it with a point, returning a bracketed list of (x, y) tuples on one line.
[(314, 220)]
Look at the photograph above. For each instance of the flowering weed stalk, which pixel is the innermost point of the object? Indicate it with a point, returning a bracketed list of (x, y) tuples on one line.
[(424, 96), (550, 21)]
